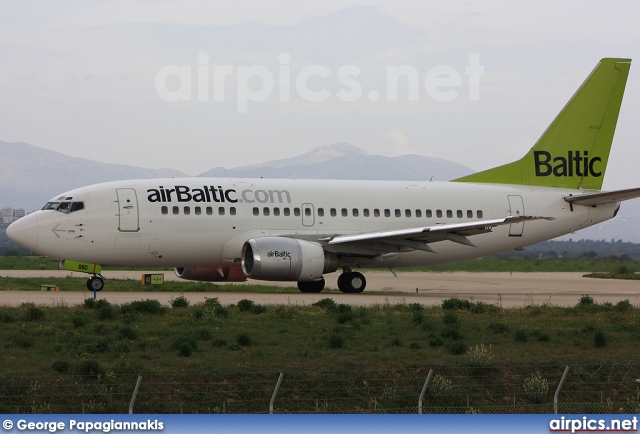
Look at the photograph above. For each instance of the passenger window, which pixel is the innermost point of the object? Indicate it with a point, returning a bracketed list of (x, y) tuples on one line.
[(320, 212), (439, 213), (345, 213), (256, 211), (407, 213), (480, 214), (449, 213), (355, 212), (365, 212), (429, 214), (387, 213), (232, 210), (287, 212), (197, 210), (418, 213), (296, 212), (398, 213), (265, 211), (307, 212), (459, 213), (469, 214), (164, 210), (221, 210), (333, 212), (176, 210), (376, 212), (209, 210), (187, 210), (276, 211)]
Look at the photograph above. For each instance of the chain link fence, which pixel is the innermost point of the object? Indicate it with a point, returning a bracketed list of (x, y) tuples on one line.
[(588, 388)]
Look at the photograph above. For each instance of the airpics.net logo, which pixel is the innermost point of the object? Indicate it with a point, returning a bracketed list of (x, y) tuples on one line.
[(250, 84)]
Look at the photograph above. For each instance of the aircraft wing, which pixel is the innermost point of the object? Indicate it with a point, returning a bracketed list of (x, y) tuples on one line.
[(593, 199), (419, 238)]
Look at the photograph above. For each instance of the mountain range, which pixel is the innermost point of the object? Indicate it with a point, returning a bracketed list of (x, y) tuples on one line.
[(29, 176)]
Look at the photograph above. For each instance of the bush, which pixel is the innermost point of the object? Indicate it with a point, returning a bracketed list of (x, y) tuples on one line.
[(396, 342), (345, 317), (336, 341), (100, 346), (79, 320), (89, 303), (415, 346), (182, 341), (436, 341), (245, 305), (418, 316), (521, 335), (127, 333), (90, 368), (456, 304), (586, 299), (221, 312), (243, 339), (344, 308), (536, 387), (623, 305), (219, 343), (457, 348), (106, 312), (327, 304), (451, 333), (145, 306), (599, 339), (481, 356), (21, 340), (450, 318), (498, 328), (34, 313), (179, 302), (60, 366), (184, 349), (258, 309)]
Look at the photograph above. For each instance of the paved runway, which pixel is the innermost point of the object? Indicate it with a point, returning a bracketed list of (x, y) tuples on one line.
[(503, 289)]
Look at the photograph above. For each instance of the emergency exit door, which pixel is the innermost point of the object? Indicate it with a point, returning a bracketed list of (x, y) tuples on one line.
[(516, 209)]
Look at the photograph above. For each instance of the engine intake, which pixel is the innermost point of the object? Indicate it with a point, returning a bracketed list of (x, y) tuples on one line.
[(279, 258)]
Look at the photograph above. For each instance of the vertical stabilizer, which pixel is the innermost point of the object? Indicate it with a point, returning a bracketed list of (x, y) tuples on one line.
[(574, 150)]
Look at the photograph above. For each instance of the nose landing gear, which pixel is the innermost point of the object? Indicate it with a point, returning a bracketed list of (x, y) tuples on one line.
[(95, 283)]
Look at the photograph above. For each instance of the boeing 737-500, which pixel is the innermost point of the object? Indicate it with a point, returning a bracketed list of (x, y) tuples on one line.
[(215, 229)]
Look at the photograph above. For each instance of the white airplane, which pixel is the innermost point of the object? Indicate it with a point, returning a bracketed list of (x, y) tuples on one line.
[(217, 229)]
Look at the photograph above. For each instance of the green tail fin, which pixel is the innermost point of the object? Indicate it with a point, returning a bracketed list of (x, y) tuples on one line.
[(574, 150)]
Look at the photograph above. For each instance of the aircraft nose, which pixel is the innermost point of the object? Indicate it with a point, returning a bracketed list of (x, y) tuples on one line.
[(25, 231)]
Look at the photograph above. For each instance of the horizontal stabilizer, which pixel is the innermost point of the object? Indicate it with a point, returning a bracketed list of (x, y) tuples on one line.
[(604, 198)]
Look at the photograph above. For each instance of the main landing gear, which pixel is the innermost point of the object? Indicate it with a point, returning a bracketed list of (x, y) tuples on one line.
[(351, 282), (95, 283)]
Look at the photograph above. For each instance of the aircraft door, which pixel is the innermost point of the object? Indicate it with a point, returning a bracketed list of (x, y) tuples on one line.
[(129, 220), (308, 216), (516, 208)]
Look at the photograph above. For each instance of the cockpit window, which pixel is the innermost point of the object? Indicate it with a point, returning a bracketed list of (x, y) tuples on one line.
[(65, 207)]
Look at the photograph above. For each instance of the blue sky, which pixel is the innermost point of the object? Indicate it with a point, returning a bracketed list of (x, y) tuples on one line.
[(81, 78)]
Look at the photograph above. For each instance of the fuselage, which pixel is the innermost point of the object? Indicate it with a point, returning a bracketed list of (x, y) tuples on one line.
[(204, 222)]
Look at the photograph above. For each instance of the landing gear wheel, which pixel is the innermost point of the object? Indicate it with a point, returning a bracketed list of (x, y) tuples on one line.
[(351, 282), (313, 286), (95, 283)]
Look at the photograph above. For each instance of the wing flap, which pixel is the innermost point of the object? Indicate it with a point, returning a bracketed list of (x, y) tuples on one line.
[(456, 232)]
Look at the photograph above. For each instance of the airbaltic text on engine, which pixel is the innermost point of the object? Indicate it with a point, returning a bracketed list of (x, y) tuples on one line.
[(574, 164), (210, 193)]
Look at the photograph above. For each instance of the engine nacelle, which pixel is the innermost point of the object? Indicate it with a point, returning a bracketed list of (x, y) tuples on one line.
[(279, 258), (205, 274)]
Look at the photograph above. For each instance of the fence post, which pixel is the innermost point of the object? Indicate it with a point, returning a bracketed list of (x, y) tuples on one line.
[(555, 397), (424, 389), (135, 394), (275, 392)]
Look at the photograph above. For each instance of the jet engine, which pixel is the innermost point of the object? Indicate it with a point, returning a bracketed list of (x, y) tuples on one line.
[(206, 274), (279, 258)]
